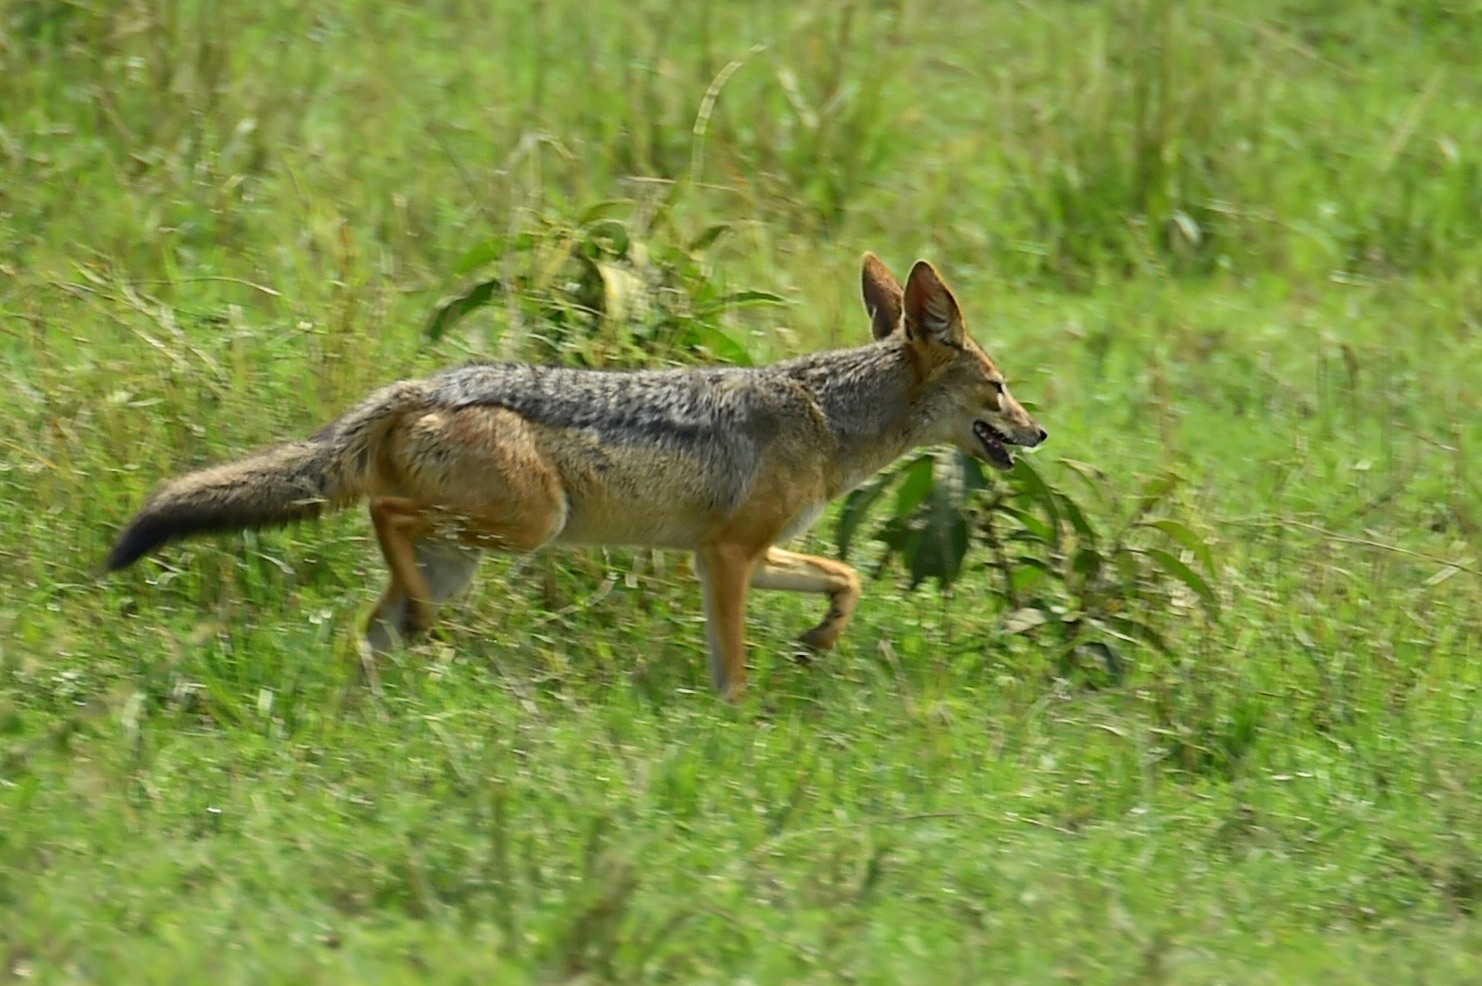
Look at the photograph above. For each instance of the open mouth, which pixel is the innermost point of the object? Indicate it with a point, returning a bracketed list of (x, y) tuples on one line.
[(995, 443)]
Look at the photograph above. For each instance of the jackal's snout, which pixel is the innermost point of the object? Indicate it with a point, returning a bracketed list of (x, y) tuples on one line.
[(1002, 426)]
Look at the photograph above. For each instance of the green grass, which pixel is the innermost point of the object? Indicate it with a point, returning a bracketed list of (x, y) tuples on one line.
[(1238, 241)]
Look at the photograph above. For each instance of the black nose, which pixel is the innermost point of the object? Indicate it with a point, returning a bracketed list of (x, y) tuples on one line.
[(1042, 436)]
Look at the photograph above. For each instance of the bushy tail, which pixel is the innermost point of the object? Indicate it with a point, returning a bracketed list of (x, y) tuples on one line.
[(278, 485)]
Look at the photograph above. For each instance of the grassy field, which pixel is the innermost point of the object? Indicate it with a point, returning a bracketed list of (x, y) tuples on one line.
[(1239, 244)]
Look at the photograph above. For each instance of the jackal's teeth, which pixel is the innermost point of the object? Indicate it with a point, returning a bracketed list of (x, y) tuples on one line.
[(990, 434), (995, 442)]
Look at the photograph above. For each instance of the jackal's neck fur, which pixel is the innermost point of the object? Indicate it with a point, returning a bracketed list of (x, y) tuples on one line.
[(858, 393)]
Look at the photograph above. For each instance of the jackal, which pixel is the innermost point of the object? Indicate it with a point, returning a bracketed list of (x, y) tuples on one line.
[(722, 461)]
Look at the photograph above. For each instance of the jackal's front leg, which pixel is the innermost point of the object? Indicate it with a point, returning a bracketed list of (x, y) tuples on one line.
[(810, 573), (725, 575)]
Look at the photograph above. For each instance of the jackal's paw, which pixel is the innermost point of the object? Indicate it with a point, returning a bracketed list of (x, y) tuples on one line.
[(387, 632), (820, 638), (377, 639)]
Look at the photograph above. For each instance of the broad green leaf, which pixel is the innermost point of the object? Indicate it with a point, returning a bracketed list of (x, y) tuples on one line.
[(1036, 527), (1028, 573), (1129, 566), (719, 344), (1072, 512), (941, 542), (740, 299), (1176, 568), (448, 311), (478, 255), (1190, 540), (609, 236), (708, 236), (856, 508), (601, 210), (1034, 486), (972, 472), (1087, 563), (917, 484), (896, 534), (1092, 478), (1154, 491)]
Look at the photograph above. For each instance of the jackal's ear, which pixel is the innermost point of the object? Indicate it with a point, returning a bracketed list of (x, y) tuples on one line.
[(882, 297), (931, 313)]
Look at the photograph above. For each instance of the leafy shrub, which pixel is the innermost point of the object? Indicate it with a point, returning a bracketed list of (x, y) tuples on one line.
[(600, 290), (1090, 588)]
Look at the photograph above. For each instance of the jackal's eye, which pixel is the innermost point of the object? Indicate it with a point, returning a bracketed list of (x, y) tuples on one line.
[(998, 386)]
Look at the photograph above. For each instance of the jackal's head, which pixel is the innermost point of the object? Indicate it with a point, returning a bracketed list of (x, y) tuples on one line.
[(967, 399)]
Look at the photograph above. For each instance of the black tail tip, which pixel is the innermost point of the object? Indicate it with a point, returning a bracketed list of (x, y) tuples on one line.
[(137, 540)]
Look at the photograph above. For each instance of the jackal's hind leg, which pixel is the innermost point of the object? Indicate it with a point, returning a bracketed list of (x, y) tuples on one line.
[(477, 473), (446, 566), (810, 573)]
